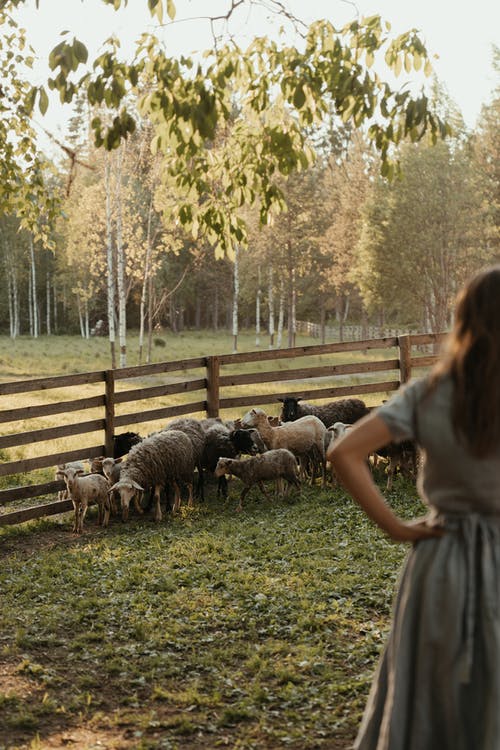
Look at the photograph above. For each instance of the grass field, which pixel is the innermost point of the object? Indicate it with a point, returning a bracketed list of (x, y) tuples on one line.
[(215, 629)]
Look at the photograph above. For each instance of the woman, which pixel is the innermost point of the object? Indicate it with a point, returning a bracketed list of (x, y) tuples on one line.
[(438, 683)]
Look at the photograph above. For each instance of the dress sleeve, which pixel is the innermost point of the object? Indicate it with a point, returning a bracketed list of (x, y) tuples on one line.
[(399, 413)]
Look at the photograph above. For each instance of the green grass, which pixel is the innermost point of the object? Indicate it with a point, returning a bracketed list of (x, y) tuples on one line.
[(214, 629)]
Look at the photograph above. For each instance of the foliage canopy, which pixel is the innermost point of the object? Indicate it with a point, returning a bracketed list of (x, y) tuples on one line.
[(228, 124)]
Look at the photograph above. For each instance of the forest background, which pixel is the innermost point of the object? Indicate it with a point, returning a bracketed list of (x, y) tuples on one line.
[(115, 244)]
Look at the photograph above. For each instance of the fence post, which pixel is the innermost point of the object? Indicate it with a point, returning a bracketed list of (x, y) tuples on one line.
[(404, 343), (213, 370), (109, 416)]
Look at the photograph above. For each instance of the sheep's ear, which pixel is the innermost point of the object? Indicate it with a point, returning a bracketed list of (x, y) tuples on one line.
[(137, 486), (118, 460), (80, 471)]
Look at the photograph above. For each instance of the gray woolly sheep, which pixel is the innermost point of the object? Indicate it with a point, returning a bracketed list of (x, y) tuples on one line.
[(84, 490), (161, 459), (278, 463), (347, 410), (195, 432), (304, 437)]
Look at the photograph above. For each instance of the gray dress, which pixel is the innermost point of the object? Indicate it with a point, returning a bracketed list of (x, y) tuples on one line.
[(437, 686)]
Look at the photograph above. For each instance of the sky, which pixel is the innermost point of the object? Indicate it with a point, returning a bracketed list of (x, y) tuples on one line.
[(459, 33)]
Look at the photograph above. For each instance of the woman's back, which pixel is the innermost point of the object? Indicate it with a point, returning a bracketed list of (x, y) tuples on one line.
[(451, 479)]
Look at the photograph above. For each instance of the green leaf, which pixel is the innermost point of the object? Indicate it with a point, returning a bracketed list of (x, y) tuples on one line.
[(80, 51), (299, 97), (43, 101), (171, 9)]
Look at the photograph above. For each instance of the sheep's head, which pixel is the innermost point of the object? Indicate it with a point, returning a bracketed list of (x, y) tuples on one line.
[(127, 490), (253, 417), (223, 467), (290, 410), (69, 476)]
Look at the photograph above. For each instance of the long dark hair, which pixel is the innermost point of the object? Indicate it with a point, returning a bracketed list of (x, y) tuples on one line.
[(472, 358)]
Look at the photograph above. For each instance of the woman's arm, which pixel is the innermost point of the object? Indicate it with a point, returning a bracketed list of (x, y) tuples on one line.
[(348, 456)]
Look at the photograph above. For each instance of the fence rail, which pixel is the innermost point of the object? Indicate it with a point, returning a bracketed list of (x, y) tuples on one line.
[(210, 387)]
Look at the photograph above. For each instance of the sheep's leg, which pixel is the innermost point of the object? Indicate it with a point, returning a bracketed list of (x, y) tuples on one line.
[(177, 498), (390, 473), (106, 505), (137, 501), (113, 503), (75, 521), (157, 511), (190, 495), (82, 511), (242, 497)]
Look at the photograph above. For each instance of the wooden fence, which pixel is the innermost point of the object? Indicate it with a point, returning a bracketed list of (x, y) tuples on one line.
[(205, 378)]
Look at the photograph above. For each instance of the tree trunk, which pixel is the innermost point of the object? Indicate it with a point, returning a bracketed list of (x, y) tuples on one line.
[(80, 317), (10, 298), (257, 309), (270, 302), (145, 281), (54, 301), (215, 319), (30, 304), (292, 325), (34, 301), (236, 291), (47, 321), (120, 265), (110, 266), (281, 314)]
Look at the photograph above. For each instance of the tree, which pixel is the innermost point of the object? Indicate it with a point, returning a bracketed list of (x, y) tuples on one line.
[(419, 239), (190, 101)]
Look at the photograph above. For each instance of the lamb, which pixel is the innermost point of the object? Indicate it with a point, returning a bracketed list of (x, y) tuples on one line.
[(59, 476), (274, 464), (163, 458), (347, 410), (402, 456), (304, 437), (221, 441), (333, 433), (84, 490)]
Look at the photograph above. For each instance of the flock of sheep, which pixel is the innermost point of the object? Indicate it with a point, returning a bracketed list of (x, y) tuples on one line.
[(291, 448)]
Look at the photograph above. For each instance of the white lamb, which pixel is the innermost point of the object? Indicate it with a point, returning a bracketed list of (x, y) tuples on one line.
[(84, 490), (59, 475)]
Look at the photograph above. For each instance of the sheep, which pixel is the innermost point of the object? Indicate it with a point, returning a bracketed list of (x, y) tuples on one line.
[(111, 469), (163, 458), (195, 432), (222, 441), (84, 490), (347, 410), (123, 442), (59, 476), (274, 464), (402, 456), (333, 433), (304, 437)]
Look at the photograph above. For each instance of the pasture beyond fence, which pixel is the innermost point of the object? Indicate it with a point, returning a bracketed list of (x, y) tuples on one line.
[(207, 380)]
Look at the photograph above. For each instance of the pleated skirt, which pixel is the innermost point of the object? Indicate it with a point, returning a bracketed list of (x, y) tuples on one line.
[(437, 686)]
